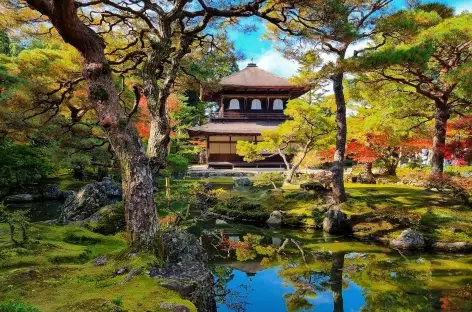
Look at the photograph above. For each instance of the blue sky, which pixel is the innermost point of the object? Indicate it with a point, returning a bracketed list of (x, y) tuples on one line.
[(265, 55)]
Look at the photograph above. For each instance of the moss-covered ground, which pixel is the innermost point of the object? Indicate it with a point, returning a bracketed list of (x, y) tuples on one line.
[(377, 211), (55, 271), (385, 210)]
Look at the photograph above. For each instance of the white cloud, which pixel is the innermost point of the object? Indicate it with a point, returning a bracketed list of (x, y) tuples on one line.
[(460, 7), (274, 62)]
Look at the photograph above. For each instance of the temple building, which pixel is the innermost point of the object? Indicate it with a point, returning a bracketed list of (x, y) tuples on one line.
[(250, 101)]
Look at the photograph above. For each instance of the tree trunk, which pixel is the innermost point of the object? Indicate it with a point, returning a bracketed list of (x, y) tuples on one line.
[(341, 127), (439, 141), (140, 212), (337, 281), (293, 169), (368, 171)]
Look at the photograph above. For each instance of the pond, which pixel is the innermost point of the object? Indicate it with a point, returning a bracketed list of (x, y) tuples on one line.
[(295, 270)]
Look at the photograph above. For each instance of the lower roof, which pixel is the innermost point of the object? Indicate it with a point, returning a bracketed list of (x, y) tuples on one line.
[(233, 128)]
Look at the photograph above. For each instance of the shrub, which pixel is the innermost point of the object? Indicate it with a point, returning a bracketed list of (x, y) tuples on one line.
[(269, 178), (15, 306), (177, 164), (22, 164)]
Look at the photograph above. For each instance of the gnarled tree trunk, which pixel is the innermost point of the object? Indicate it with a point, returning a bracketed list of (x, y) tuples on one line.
[(439, 141), (137, 180), (341, 127)]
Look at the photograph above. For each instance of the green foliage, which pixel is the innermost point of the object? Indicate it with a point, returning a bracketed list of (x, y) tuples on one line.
[(269, 178), (310, 128), (177, 164), (15, 219), (22, 164), (16, 306), (118, 300)]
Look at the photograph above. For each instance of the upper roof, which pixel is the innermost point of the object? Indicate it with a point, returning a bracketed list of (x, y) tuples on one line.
[(253, 76)]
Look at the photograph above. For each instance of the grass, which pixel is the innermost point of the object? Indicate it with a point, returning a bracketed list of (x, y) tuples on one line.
[(55, 272), (385, 210)]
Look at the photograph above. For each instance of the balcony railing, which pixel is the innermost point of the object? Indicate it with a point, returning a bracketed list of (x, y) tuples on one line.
[(250, 116)]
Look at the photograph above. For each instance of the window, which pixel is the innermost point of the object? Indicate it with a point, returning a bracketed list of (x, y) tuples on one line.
[(233, 104), (278, 104), (256, 104)]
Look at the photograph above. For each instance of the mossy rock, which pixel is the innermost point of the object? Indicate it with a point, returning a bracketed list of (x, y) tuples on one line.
[(108, 220)]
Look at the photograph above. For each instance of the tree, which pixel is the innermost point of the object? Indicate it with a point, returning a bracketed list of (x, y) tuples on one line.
[(310, 128), (425, 51), (159, 34), (329, 27)]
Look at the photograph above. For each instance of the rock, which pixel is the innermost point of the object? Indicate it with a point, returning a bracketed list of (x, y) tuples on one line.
[(220, 222), (108, 220), (85, 203), (184, 289), (275, 218), (186, 262), (408, 239), (334, 221), (52, 191), (466, 174), (313, 186), (112, 189), (100, 261), (132, 274), (452, 247), (67, 193), (173, 307), (120, 271), (19, 198), (242, 181)]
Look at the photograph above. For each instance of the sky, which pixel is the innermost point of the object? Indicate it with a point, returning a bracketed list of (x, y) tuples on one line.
[(264, 54)]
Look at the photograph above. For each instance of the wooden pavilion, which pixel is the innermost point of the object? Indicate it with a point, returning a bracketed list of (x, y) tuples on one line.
[(250, 101)]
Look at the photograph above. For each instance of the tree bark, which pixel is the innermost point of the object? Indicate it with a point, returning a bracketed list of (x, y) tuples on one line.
[(439, 141), (140, 212), (341, 126), (368, 171)]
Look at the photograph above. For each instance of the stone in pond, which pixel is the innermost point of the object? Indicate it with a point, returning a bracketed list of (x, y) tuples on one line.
[(242, 181), (334, 221), (19, 198), (408, 239), (220, 222), (275, 218)]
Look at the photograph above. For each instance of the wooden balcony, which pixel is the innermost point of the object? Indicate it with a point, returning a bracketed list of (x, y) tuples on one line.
[(233, 115)]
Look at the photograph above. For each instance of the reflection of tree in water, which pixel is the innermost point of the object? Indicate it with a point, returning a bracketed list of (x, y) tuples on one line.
[(391, 282), (235, 299)]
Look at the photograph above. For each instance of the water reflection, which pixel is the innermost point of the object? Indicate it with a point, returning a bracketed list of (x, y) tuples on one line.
[(300, 271)]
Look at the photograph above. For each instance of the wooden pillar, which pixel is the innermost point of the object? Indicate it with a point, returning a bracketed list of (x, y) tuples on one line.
[(208, 151)]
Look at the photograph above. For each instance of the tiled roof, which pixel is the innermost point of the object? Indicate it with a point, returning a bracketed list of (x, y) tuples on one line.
[(229, 127), (253, 76)]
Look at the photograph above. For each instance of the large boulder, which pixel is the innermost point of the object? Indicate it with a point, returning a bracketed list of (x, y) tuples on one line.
[(334, 221), (245, 182), (84, 203), (408, 239), (19, 198), (186, 264), (52, 191), (275, 218), (112, 189), (108, 220)]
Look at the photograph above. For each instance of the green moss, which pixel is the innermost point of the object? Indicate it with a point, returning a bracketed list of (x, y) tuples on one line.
[(55, 272)]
